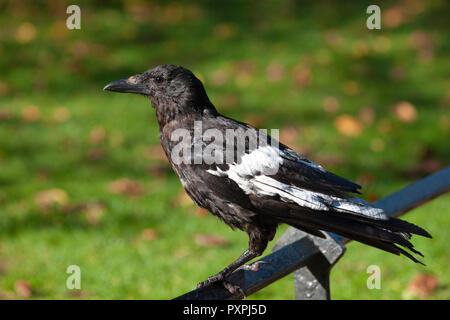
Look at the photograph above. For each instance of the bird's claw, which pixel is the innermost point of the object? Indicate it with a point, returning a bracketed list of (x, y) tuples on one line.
[(252, 267), (216, 279)]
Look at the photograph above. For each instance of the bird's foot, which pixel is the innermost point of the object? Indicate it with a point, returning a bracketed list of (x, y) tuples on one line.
[(213, 279), (219, 279), (252, 267)]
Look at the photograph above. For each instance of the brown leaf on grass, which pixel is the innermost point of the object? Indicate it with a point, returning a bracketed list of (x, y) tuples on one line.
[(302, 76), (157, 153), (326, 160), (397, 73), (225, 30), (244, 71), (211, 240), (365, 179), (229, 100), (423, 43), (367, 115), (333, 38), (421, 286), (52, 198), (31, 113), (182, 199), (405, 112), (94, 212), (255, 120), (7, 295), (149, 234), (348, 125), (23, 289), (97, 135), (131, 188), (26, 32), (5, 115), (200, 212), (4, 88), (58, 30), (219, 77), (289, 134), (330, 104), (360, 49), (61, 114), (275, 71), (394, 16), (158, 170), (96, 153)]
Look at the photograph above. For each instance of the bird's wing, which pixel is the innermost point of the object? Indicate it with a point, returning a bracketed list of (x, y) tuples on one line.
[(281, 173)]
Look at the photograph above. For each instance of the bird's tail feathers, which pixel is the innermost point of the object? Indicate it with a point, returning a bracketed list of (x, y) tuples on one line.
[(386, 235)]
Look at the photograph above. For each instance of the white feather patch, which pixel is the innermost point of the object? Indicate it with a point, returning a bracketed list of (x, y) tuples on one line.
[(251, 176)]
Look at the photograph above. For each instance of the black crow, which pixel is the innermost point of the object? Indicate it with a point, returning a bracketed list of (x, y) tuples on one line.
[(255, 186)]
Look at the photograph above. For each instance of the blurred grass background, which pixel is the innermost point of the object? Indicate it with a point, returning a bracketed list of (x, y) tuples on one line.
[(83, 179)]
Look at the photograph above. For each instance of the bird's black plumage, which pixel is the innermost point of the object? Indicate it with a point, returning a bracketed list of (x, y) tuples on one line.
[(260, 186)]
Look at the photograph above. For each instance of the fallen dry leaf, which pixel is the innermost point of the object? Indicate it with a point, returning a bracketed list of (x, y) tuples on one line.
[(210, 240), (289, 134), (405, 112), (23, 289), (275, 71), (94, 212), (127, 187), (26, 32), (182, 199), (421, 286), (158, 170), (97, 135), (367, 115), (51, 198), (225, 30), (330, 104), (397, 73), (5, 115), (7, 295), (61, 114), (219, 77), (255, 120), (157, 153), (200, 212), (393, 17), (96, 154), (31, 113), (348, 125), (149, 234), (302, 76)]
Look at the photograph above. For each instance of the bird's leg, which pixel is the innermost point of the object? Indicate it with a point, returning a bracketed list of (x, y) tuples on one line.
[(257, 245), (245, 257)]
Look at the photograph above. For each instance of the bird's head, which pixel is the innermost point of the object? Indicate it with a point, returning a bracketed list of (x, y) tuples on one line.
[(173, 90)]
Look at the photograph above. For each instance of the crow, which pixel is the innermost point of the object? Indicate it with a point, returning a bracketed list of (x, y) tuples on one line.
[(252, 181)]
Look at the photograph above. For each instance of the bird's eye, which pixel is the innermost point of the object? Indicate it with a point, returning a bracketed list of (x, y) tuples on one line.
[(159, 79)]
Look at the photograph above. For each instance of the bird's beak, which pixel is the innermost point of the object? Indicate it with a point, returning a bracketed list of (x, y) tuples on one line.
[(130, 85)]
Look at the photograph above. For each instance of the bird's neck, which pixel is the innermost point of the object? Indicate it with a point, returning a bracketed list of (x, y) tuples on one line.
[(169, 111)]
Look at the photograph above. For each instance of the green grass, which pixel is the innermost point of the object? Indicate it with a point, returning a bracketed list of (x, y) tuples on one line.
[(57, 68)]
